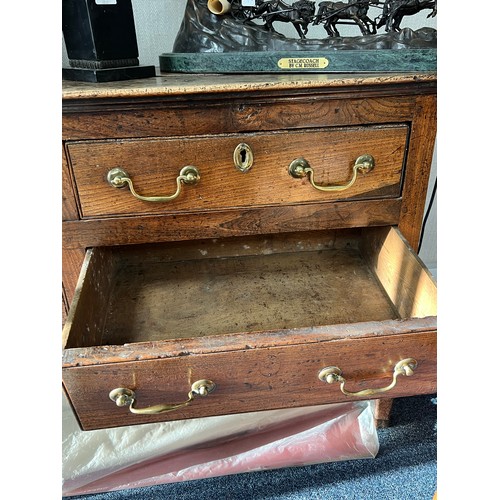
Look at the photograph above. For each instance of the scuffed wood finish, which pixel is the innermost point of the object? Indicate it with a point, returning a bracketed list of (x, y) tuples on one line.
[(418, 168), (257, 379), (131, 297), (382, 412), (407, 282), (235, 113), (69, 208), (141, 351), (179, 84), (92, 292), (64, 307), (153, 166), (276, 366), (91, 112), (254, 370), (235, 222), (72, 260), (206, 290)]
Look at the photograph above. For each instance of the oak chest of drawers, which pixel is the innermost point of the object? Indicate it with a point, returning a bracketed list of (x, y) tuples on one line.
[(241, 243)]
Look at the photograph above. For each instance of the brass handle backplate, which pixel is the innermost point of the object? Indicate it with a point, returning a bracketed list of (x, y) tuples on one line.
[(333, 374), (118, 178), (300, 168), (126, 397)]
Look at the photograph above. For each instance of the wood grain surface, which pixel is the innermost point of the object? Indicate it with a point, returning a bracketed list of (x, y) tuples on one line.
[(158, 126), (252, 379), (145, 293), (220, 84), (195, 297), (153, 166)]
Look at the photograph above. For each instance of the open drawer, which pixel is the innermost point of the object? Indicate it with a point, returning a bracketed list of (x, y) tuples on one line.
[(192, 329)]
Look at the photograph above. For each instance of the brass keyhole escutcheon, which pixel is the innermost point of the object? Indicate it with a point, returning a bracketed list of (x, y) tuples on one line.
[(243, 157)]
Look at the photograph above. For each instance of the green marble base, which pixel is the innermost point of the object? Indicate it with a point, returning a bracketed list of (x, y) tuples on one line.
[(332, 61)]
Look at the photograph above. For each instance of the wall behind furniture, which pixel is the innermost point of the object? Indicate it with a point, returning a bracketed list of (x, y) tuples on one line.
[(157, 23)]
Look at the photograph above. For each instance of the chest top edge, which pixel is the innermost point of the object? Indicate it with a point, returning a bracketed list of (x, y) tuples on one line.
[(179, 85)]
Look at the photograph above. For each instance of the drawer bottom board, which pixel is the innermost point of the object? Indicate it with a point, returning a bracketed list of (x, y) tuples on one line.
[(194, 298)]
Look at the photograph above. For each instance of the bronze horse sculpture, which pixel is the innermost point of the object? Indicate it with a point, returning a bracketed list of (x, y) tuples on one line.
[(300, 14), (355, 10), (394, 11)]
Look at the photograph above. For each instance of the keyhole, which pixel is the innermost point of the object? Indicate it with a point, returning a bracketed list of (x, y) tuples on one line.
[(243, 157)]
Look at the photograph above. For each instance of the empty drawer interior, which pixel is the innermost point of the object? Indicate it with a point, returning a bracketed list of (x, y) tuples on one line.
[(213, 287)]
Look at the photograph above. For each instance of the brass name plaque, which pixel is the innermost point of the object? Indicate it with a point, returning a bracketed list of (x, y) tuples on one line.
[(303, 63)]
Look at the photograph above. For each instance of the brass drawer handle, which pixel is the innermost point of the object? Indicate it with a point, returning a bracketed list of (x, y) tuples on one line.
[(332, 374), (118, 178), (124, 397), (300, 168)]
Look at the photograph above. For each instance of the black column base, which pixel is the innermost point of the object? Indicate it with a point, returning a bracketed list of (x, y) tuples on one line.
[(108, 74)]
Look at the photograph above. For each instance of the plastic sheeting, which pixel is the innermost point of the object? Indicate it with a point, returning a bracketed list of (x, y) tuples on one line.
[(145, 455)]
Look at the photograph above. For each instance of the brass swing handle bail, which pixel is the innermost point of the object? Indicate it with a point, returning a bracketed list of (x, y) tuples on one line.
[(126, 397), (333, 374), (300, 168), (118, 178)]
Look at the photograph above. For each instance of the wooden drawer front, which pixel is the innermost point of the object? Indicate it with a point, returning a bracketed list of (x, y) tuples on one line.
[(258, 316), (252, 379), (154, 164)]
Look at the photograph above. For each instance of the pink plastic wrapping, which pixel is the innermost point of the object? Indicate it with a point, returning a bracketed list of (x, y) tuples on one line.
[(145, 455)]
